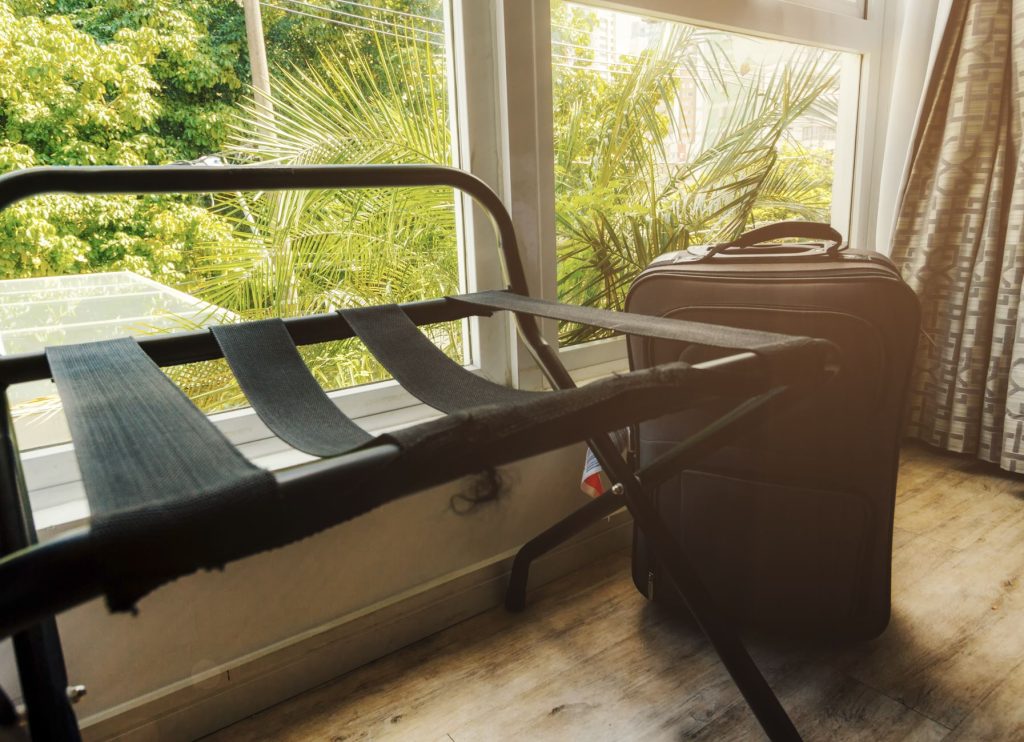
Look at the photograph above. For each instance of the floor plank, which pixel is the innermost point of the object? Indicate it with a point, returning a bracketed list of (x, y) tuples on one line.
[(958, 613), (590, 659), (1000, 715)]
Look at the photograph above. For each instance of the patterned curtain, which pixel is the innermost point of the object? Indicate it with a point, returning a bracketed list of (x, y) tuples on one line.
[(958, 238)]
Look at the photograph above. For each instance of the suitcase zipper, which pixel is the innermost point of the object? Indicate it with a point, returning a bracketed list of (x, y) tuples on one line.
[(677, 258), (763, 275), (650, 584)]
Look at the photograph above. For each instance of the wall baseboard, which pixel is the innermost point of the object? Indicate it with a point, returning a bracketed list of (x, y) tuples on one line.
[(225, 694)]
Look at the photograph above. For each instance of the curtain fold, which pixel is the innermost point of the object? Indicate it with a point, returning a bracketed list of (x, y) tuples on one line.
[(958, 238), (917, 27)]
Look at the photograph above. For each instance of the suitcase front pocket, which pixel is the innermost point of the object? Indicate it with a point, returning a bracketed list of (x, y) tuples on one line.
[(773, 556)]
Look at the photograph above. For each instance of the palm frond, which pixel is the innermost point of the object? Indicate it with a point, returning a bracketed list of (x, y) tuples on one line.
[(306, 252)]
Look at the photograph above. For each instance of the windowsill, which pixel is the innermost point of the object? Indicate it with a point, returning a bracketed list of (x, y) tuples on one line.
[(63, 505), (585, 362), (58, 496)]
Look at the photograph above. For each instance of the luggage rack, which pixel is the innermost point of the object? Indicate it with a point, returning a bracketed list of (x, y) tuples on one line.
[(160, 478)]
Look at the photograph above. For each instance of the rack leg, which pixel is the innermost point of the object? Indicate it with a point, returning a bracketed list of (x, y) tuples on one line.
[(8, 714), (719, 630), (44, 683), (40, 659), (600, 507)]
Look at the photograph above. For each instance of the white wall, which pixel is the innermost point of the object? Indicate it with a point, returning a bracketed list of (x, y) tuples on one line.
[(210, 620)]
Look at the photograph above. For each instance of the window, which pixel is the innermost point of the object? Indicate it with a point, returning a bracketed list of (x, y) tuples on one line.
[(349, 82), (520, 93), (667, 134), (792, 85)]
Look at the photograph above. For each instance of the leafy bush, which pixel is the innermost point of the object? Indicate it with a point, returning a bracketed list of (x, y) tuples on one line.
[(116, 83)]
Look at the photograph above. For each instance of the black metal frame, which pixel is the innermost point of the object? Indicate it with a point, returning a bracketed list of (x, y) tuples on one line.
[(63, 568)]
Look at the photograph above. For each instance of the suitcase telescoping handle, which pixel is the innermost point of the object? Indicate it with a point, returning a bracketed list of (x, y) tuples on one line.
[(784, 230)]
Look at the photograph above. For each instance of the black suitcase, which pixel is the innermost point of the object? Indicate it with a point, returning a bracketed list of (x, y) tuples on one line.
[(790, 526)]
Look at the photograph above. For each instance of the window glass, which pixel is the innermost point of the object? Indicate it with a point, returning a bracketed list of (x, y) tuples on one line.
[(667, 134), (169, 81)]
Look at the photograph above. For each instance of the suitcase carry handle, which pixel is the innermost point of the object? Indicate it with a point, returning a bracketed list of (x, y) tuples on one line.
[(756, 238)]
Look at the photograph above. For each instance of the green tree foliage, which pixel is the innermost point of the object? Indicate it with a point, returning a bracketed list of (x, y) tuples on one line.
[(121, 82), (198, 59), (346, 248), (113, 83)]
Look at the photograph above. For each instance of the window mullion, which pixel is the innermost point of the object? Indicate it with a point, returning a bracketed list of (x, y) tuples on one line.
[(478, 141), (529, 142)]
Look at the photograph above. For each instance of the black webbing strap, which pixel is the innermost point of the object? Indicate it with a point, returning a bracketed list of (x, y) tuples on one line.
[(419, 366), (150, 461), (775, 348), (283, 391), (497, 434)]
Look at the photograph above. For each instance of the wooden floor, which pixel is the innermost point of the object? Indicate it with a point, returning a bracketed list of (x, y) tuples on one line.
[(591, 660)]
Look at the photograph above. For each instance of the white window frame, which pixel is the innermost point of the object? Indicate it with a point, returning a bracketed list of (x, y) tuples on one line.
[(845, 25), (855, 8)]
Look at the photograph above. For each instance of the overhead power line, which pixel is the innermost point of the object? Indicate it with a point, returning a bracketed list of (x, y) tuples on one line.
[(368, 19), (334, 21), (355, 17), (392, 11)]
